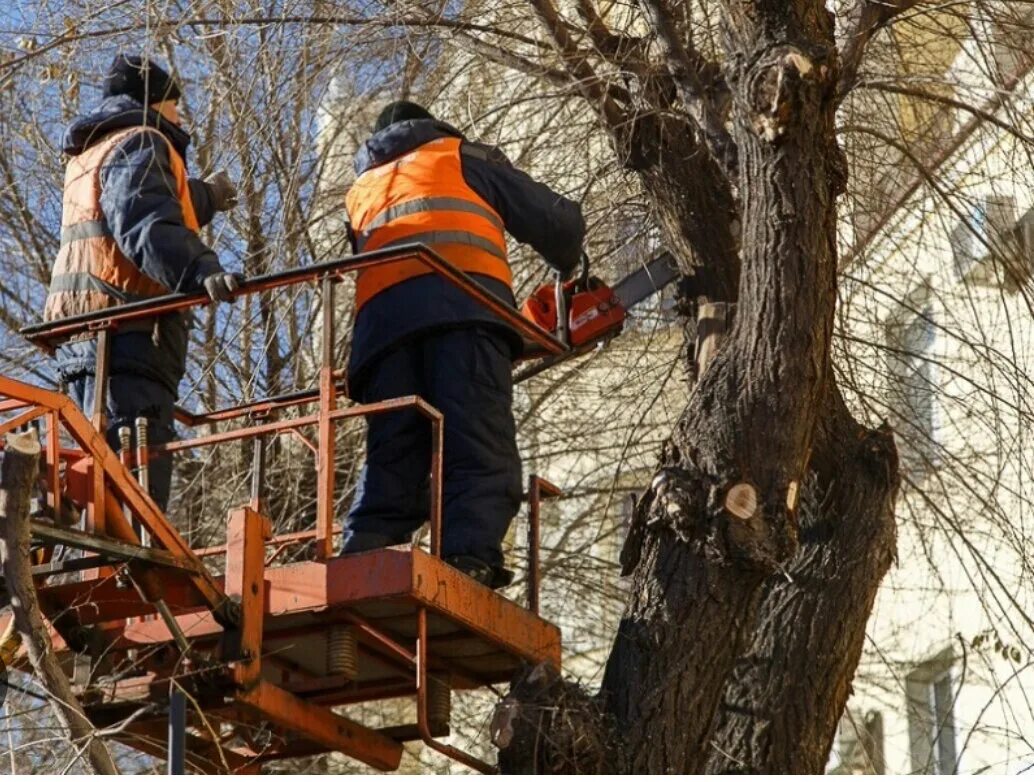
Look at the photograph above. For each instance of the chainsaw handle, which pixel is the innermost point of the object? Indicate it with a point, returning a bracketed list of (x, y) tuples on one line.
[(563, 292), (560, 292), (582, 283)]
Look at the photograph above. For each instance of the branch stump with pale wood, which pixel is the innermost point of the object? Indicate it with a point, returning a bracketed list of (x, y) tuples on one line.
[(17, 481)]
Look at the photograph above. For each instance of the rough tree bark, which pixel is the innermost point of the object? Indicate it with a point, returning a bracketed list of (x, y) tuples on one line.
[(713, 616), (723, 516), (17, 480), (785, 696)]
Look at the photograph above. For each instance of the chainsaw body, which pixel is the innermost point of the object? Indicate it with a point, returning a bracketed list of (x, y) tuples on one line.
[(593, 311)]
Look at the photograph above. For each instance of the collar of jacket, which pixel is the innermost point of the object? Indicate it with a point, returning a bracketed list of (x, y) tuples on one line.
[(398, 139), (115, 113)]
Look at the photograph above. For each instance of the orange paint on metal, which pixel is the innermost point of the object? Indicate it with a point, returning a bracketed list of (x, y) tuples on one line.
[(50, 333), (501, 621), (77, 480), (21, 419), (327, 451), (423, 718), (383, 575), (258, 409), (247, 532), (286, 539), (537, 489), (480, 636), (323, 726), (7, 405)]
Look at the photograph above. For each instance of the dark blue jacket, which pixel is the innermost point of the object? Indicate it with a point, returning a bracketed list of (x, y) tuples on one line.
[(532, 213), (140, 205)]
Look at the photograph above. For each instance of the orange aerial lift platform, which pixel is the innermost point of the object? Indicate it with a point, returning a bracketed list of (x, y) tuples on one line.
[(263, 650)]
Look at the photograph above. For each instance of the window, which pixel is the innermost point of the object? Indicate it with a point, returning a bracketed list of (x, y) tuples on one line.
[(1020, 259), (1008, 30), (986, 230), (930, 692), (859, 744), (912, 382)]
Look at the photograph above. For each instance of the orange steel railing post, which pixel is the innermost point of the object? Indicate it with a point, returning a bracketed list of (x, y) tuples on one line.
[(537, 488), (533, 544), (54, 465), (422, 711), (95, 507), (437, 451), (328, 397)]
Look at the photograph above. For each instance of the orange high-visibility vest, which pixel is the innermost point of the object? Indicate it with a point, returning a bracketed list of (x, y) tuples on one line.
[(91, 273), (423, 197)]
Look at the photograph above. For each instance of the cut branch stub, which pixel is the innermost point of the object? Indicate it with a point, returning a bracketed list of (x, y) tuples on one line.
[(742, 501), (17, 482), (712, 324), (774, 91), (791, 496)]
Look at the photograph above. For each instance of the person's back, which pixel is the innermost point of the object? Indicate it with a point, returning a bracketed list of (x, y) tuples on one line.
[(419, 180)]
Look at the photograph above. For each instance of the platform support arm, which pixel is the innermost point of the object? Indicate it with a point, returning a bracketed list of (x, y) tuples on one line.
[(177, 731), (323, 726)]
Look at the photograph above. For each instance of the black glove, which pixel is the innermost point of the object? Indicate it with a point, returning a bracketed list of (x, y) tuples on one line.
[(223, 191), (221, 286)]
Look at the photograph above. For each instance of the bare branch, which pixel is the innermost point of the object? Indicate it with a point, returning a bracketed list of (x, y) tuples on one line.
[(686, 66), (944, 100), (577, 63), (509, 59), (865, 19)]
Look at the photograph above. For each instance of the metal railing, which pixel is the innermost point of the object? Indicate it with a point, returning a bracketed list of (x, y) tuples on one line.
[(104, 323)]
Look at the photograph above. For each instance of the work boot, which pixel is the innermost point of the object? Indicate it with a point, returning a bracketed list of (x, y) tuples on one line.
[(494, 577), (501, 577)]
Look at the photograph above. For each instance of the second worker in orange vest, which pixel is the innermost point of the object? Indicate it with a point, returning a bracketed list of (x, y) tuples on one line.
[(129, 231), (420, 180)]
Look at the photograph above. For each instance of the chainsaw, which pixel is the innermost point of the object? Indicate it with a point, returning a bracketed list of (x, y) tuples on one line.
[(585, 312)]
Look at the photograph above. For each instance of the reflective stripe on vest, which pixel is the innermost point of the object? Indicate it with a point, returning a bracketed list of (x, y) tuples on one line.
[(423, 197), (91, 272)]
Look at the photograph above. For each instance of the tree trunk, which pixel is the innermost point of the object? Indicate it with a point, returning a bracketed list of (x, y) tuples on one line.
[(786, 694), (722, 513), (711, 615), (17, 480)]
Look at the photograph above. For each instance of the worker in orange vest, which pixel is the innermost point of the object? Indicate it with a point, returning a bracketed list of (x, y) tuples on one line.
[(129, 231), (420, 180)]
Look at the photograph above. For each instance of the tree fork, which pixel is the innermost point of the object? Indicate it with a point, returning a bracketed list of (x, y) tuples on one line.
[(17, 481)]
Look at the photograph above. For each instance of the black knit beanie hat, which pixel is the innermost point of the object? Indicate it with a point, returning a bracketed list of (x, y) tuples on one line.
[(142, 79), (400, 111)]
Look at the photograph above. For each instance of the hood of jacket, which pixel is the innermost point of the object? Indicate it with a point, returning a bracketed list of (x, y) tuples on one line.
[(115, 113), (398, 139)]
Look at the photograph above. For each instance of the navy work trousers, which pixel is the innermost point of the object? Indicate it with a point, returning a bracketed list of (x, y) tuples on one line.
[(130, 397), (464, 373)]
